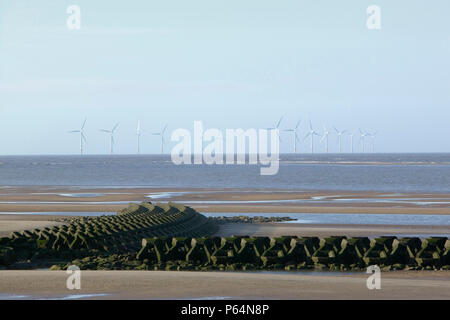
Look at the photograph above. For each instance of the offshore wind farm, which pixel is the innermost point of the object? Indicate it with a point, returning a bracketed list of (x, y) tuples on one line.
[(295, 131)]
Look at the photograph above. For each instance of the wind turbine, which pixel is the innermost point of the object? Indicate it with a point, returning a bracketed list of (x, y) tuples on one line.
[(340, 133), (111, 133), (138, 135), (294, 131), (362, 135), (82, 136), (277, 126), (351, 141), (372, 135), (162, 137), (325, 136), (311, 133)]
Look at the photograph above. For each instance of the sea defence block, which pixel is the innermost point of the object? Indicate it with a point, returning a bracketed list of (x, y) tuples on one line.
[(446, 255), (7, 256), (432, 252), (378, 252), (251, 250), (200, 252), (291, 253), (328, 250), (403, 251)]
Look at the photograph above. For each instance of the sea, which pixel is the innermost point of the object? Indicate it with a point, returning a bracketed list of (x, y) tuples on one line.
[(390, 172)]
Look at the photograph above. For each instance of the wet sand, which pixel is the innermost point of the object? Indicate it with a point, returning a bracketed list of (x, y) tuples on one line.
[(251, 208), (228, 285), (107, 199), (63, 199)]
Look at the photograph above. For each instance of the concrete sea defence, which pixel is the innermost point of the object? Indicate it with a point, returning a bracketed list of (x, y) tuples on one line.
[(280, 253), (171, 236), (88, 236)]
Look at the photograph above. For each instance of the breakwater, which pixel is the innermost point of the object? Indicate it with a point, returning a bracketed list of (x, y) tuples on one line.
[(171, 236), (88, 236), (280, 253)]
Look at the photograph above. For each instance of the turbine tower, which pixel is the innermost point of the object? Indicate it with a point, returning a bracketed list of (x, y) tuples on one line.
[(311, 134), (340, 133), (162, 137), (294, 131), (373, 135), (138, 136), (362, 135), (82, 136), (325, 136), (351, 141), (111, 133)]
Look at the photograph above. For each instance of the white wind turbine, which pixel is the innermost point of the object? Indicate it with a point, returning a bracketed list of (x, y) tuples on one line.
[(82, 136), (111, 133), (351, 141), (362, 135), (294, 131), (325, 136), (340, 133), (311, 134), (277, 127), (138, 136), (162, 137), (373, 135)]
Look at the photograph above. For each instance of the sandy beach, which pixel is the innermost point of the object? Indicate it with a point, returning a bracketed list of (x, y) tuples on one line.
[(63, 199), (228, 285), (224, 285), (87, 199)]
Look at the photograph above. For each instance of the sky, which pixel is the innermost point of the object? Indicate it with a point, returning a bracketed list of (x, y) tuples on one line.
[(228, 63)]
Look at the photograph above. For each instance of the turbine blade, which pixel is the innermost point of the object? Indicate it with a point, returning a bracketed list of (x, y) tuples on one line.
[(279, 121), (115, 127), (84, 123), (298, 123)]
